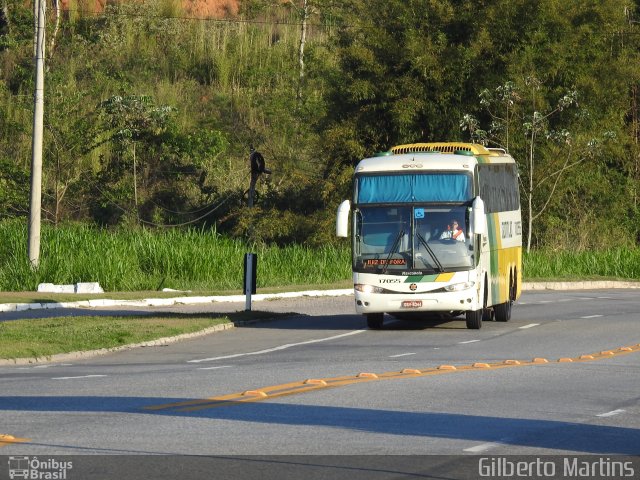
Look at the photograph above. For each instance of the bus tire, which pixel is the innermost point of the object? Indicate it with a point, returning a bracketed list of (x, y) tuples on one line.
[(474, 319), (374, 320), (503, 310)]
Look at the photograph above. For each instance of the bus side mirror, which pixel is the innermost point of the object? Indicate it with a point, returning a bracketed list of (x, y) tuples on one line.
[(478, 218), (342, 220)]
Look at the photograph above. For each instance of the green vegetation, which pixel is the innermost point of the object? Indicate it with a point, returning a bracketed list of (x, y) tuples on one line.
[(146, 261), (611, 264), (139, 260), (38, 338)]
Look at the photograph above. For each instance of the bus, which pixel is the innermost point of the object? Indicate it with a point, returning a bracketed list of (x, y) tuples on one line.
[(435, 227)]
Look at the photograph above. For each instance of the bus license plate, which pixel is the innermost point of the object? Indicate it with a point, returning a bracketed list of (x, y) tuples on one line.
[(412, 304)]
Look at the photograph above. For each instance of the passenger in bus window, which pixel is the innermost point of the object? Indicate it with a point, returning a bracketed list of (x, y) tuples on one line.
[(453, 232)]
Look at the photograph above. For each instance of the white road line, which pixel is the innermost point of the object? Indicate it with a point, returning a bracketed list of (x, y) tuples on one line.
[(54, 365), (592, 316), (482, 447), (45, 366), (545, 301), (401, 355), (468, 341), (79, 376), (612, 413), (531, 325), (275, 349), (215, 368)]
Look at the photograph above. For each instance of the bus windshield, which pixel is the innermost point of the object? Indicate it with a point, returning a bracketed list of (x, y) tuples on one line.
[(397, 239)]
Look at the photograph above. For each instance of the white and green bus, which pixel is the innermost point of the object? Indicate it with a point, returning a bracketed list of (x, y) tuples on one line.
[(435, 227)]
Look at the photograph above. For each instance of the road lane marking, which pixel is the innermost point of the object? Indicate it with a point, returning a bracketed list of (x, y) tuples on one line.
[(468, 341), (611, 414), (401, 355), (294, 388), (276, 349), (54, 365), (531, 325), (215, 368), (592, 316), (78, 376), (483, 447)]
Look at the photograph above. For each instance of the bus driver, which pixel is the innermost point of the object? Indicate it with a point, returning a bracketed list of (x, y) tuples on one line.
[(453, 232)]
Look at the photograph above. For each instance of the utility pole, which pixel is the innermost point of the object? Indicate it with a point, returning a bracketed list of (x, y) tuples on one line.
[(36, 146)]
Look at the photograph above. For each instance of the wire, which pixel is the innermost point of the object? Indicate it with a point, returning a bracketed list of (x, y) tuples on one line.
[(181, 213), (110, 200), (190, 221)]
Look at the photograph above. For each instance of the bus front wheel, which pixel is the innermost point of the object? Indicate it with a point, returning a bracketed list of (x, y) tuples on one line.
[(374, 320), (474, 319)]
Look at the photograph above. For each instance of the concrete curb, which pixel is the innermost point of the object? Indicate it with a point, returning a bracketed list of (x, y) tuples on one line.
[(585, 285), (163, 302)]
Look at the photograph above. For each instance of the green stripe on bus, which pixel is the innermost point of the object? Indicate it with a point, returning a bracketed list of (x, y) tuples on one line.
[(492, 226), (420, 278)]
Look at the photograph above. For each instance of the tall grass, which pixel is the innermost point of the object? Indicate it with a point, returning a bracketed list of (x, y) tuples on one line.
[(130, 260), (141, 259), (612, 263)]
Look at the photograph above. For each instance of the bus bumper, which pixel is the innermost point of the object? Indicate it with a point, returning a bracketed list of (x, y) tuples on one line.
[(429, 302)]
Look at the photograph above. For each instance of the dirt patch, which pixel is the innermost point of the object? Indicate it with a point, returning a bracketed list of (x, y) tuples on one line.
[(195, 8)]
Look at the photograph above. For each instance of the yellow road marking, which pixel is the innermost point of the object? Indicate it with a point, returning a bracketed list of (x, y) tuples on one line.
[(309, 385), (10, 439)]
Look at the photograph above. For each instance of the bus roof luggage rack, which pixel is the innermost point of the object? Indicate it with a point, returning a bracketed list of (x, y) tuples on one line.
[(445, 147)]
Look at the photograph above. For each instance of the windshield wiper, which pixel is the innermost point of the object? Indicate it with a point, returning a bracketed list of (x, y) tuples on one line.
[(394, 247), (439, 266)]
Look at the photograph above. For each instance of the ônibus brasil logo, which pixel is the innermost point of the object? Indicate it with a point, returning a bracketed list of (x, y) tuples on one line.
[(35, 469)]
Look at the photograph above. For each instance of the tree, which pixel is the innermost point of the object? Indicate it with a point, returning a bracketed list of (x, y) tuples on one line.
[(132, 119), (523, 119)]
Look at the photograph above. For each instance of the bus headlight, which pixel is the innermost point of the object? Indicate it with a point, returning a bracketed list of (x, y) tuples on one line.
[(457, 287), (360, 287)]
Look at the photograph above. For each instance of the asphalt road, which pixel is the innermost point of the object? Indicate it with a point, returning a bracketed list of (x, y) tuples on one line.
[(242, 391)]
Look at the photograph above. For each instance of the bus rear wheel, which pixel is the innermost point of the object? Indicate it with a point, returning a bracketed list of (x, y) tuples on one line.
[(503, 310), (374, 320)]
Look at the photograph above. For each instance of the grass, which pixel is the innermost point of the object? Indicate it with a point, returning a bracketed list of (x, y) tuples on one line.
[(609, 264), (146, 260), (38, 338)]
